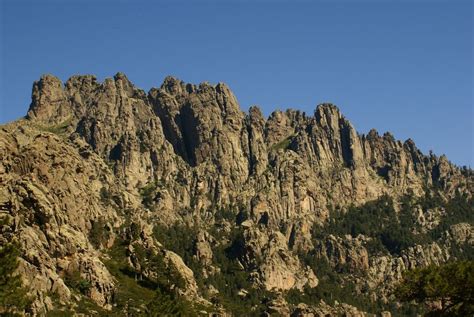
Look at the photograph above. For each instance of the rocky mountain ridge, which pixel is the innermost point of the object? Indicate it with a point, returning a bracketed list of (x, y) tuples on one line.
[(97, 174)]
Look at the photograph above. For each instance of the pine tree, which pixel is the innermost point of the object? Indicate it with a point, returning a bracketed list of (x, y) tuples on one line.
[(12, 295), (451, 284)]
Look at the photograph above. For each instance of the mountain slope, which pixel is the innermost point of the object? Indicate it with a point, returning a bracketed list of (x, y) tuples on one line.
[(106, 187)]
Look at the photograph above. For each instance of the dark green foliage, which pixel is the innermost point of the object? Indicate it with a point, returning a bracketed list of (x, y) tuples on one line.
[(167, 279), (394, 231), (167, 304), (390, 231), (452, 284), (59, 313), (177, 238), (85, 307), (224, 214), (233, 278), (338, 286), (75, 281), (378, 220), (61, 310), (283, 145), (331, 286), (459, 209), (13, 297), (132, 294), (105, 195), (180, 239), (463, 251), (147, 193), (138, 296), (99, 233), (144, 140), (430, 200)]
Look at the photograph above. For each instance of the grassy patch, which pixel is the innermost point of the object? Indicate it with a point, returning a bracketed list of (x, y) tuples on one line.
[(283, 145), (59, 313), (59, 128)]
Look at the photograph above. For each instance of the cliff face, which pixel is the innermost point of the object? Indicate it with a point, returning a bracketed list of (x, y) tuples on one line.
[(107, 157)]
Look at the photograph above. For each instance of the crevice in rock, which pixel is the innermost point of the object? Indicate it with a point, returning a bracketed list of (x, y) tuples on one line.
[(347, 154), (188, 125)]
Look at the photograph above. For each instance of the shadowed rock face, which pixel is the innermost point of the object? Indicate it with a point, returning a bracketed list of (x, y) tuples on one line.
[(193, 151)]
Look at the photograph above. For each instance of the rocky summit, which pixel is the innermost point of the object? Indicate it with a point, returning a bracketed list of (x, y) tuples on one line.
[(118, 202)]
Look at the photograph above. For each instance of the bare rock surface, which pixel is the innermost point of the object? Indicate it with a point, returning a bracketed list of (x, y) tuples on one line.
[(98, 169)]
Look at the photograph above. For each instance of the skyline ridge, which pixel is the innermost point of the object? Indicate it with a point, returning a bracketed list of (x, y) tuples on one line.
[(267, 116)]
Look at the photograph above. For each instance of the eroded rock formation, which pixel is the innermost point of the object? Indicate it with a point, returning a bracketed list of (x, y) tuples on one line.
[(95, 165)]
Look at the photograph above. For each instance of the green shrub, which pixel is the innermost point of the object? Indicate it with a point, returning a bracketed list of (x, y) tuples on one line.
[(283, 145), (59, 128), (105, 195), (99, 233), (13, 296), (224, 214), (451, 284), (75, 281), (147, 193)]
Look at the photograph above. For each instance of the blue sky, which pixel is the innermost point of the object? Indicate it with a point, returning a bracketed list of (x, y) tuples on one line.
[(399, 66)]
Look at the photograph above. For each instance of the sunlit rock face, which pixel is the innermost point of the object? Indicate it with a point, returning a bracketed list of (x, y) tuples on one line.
[(96, 165)]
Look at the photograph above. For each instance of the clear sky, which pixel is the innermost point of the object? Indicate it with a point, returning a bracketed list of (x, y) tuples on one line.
[(399, 66)]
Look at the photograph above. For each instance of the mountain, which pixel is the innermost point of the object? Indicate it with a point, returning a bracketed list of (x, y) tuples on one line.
[(175, 201)]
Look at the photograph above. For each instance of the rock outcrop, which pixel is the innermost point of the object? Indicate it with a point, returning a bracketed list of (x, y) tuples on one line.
[(98, 165)]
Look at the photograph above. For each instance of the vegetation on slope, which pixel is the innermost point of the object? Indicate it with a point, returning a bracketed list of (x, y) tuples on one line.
[(451, 286), (141, 296), (13, 296), (232, 277), (393, 231)]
